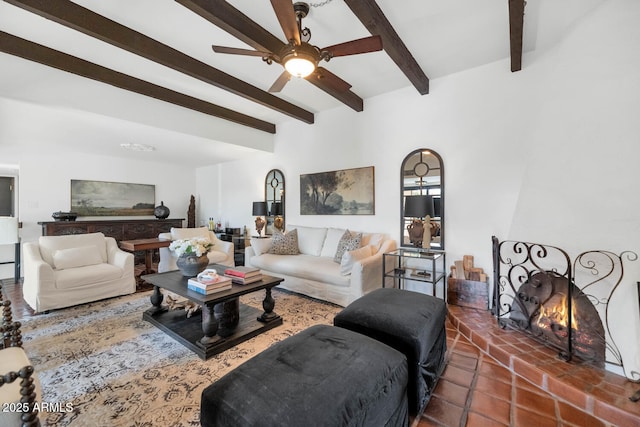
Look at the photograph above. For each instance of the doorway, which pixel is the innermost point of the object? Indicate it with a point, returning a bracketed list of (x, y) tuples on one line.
[(7, 188)]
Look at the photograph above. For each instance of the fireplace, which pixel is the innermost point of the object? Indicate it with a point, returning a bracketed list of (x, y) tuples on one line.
[(560, 315), (562, 304)]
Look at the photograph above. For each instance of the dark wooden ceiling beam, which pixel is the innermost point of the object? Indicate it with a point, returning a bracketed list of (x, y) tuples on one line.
[(26, 49), (516, 32), (374, 20), (225, 16), (84, 20)]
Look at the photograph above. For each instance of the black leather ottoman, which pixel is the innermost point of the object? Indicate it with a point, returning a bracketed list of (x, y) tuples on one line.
[(323, 376), (412, 323)]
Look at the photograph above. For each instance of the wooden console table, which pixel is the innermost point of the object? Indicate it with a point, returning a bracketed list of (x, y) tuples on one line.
[(146, 245), (120, 229)]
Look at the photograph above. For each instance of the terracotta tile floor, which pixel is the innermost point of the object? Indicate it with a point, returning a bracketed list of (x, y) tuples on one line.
[(480, 387)]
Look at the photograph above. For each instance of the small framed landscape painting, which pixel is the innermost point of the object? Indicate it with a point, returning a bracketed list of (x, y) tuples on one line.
[(102, 198), (341, 192)]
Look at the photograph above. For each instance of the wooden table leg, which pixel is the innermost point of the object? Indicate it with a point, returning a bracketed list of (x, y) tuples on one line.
[(156, 301), (209, 326), (268, 305), (148, 255)]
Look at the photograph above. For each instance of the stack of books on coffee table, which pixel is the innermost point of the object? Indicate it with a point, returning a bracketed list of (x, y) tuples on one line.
[(206, 285), (243, 275)]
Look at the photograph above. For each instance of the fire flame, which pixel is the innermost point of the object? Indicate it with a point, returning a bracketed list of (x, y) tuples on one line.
[(557, 314)]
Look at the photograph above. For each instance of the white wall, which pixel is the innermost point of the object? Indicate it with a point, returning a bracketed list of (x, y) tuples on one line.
[(548, 154), (45, 183)]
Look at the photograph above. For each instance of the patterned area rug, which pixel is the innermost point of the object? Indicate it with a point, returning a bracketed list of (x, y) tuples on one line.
[(100, 364)]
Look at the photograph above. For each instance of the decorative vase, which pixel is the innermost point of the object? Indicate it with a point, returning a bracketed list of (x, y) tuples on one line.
[(161, 212), (191, 265)]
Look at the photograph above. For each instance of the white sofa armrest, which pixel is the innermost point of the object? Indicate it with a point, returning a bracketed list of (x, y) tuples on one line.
[(164, 236), (224, 246), (118, 257), (248, 254), (366, 274), (38, 275)]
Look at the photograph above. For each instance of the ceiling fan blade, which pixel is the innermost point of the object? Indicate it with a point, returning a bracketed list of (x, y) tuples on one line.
[(330, 79), (280, 82), (354, 47), (287, 18), (238, 51)]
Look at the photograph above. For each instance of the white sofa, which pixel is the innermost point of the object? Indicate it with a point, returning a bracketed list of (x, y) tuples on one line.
[(61, 271), (315, 273), (220, 253)]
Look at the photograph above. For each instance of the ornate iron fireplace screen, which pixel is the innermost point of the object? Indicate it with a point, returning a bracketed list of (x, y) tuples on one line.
[(564, 305)]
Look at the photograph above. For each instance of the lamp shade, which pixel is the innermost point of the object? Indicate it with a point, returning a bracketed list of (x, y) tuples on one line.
[(259, 208), (418, 206), (276, 208)]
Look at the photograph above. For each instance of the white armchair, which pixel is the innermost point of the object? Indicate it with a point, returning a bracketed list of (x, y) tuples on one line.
[(221, 253), (61, 271)]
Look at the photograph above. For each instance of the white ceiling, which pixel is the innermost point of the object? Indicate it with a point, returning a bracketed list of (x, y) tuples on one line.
[(444, 36)]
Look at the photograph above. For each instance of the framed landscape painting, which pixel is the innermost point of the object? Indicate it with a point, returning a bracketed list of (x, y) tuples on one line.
[(102, 198), (342, 192)]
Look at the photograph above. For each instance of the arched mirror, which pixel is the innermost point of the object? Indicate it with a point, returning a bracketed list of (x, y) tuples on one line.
[(422, 200), (274, 196)]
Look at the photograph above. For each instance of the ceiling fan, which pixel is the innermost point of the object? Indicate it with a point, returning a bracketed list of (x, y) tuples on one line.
[(299, 57)]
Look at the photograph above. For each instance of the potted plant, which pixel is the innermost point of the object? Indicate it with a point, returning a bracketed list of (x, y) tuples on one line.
[(192, 255)]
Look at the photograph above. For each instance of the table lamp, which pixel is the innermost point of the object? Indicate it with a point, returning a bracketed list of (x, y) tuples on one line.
[(276, 212), (419, 207), (260, 210)]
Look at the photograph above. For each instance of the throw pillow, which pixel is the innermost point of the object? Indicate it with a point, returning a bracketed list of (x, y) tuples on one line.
[(261, 246), (331, 242), (351, 257), (285, 244), (76, 257), (348, 242), (310, 239)]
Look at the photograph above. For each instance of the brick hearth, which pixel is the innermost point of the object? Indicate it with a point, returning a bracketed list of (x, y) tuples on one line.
[(600, 395)]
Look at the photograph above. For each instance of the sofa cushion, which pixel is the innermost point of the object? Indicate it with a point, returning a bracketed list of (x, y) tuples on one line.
[(348, 242), (86, 276), (306, 267), (190, 233), (351, 257), (331, 242), (285, 244), (76, 257), (49, 244), (310, 239), (261, 245)]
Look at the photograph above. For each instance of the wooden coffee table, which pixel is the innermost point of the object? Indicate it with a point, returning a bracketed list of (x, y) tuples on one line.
[(221, 323)]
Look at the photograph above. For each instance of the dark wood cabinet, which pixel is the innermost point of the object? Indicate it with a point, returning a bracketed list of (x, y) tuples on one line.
[(121, 229)]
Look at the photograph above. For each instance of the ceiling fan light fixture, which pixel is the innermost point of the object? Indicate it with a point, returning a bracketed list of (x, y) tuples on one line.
[(301, 60), (299, 66)]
